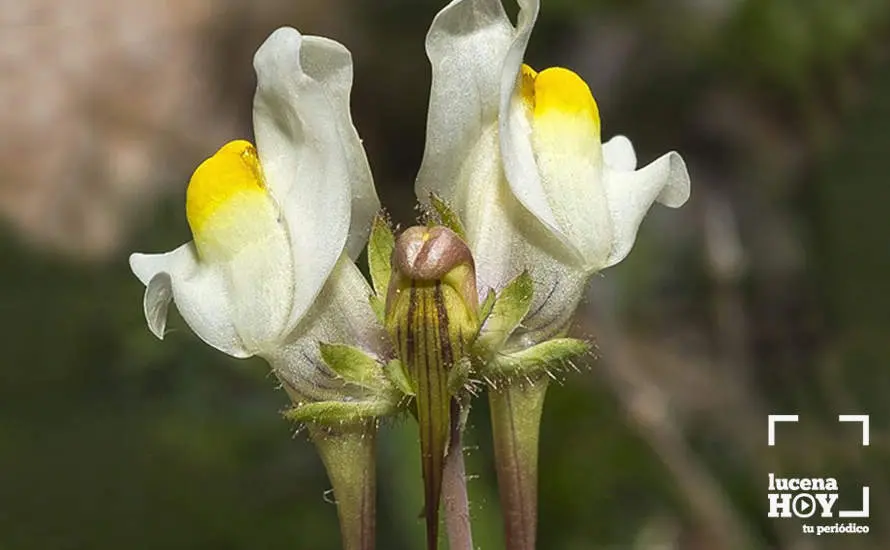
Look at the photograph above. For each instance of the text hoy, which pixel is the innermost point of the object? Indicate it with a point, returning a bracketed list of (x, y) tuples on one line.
[(804, 504)]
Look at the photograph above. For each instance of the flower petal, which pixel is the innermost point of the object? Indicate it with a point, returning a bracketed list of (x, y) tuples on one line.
[(301, 150), (567, 150), (199, 292), (618, 154), (506, 239), (631, 194), (342, 313), (515, 131), (261, 281), (156, 303), (466, 45), (330, 64)]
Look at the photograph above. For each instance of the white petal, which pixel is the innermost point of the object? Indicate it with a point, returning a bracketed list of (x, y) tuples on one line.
[(305, 163), (631, 194), (618, 154), (199, 292), (491, 216), (341, 314), (506, 240), (156, 302), (569, 160), (466, 45), (330, 63), (518, 155), (260, 278)]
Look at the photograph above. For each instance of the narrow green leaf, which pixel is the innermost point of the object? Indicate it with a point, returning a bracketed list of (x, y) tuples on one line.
[(509, 309), (338, 413), (447, 216), (459, 375), (537, 359), (487, 304), (378, 305), (353, 365), (396, 373), (380, 246)]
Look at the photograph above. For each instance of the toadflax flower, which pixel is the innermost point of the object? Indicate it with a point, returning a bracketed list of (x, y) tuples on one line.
[(518, 154), (270, 271), (275, 227)]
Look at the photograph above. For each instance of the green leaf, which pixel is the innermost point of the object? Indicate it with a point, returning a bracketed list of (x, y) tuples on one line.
[(338, 413), (487, 304), (537, 359), (353, 365), (509, 309), (396, 373), (459, 375), (380, 246), (378, 305), (447, 216)]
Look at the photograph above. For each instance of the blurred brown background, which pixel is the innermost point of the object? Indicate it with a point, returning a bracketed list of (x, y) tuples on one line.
[(767, 293)]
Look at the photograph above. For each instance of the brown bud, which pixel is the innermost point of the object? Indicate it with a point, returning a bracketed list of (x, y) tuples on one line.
[(428, 253), (424, 253), (432, 316)]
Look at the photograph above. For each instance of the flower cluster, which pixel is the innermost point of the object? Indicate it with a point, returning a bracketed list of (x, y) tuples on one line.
[(524, 201)]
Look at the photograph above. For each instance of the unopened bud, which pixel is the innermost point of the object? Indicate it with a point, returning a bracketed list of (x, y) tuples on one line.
[(429, 254), (432, 314)]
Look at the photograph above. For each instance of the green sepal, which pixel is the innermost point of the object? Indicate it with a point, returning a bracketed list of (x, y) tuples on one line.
[(353, 365), (446, 216), (380, 247), (339, 413), (487, 305), (536, 360), (507, 312), (378, 305), (459, 375), (396, 373)]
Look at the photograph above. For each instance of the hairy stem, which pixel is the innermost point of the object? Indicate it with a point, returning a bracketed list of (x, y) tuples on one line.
[(515, 422), (454, 486), (348, 457)]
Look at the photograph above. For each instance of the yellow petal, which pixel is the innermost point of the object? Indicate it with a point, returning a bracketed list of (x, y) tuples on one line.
[(565, 136), (527, 77), (561, 92), (227, 204)]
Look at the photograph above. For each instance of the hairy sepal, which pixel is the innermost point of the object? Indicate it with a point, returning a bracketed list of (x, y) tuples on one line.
[(507, 312), (531, 363)]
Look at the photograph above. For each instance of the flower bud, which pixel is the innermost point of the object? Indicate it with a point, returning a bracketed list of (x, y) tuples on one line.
[(428, 254), (432, 314)]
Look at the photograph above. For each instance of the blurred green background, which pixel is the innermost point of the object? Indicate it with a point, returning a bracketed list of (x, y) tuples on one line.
[(769, 292)]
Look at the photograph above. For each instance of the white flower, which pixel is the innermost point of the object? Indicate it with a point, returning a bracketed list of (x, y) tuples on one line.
[(518, 154), (276, 227)]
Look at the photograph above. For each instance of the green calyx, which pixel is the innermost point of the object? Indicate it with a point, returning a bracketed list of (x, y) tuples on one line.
[(530, 363), (380, 246), (384, 389), (442, 214), (503, 360), (506, 312)]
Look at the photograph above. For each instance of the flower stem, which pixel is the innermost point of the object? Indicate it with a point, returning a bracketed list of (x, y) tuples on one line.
[(454, 486), (515, 422), (348, 457)]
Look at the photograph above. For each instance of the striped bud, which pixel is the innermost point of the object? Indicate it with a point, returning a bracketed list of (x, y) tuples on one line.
[(432, 314)]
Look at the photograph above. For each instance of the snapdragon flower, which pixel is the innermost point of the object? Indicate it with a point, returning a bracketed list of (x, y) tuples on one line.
[(276, 227), (518, 154), (543, 204), (270, 270)]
